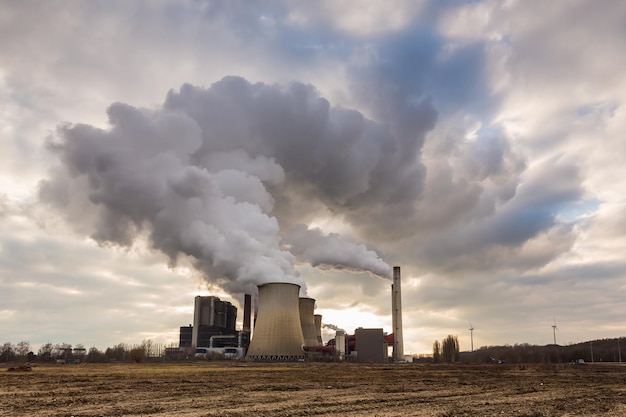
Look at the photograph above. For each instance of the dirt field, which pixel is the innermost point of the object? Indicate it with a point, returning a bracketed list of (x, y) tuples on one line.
[(312, 389)]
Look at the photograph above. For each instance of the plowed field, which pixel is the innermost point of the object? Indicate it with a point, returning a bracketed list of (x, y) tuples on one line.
[(312, 389)]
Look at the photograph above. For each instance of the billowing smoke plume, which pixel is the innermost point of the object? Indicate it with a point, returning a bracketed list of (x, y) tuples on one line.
[(332, 327), (331, 251), (216, 173)]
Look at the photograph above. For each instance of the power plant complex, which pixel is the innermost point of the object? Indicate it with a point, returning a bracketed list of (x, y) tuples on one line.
[(286, 328)]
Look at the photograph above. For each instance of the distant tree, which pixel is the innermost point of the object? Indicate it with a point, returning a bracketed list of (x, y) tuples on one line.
[(22, 349), (148, 347), (95, 356), (436, 352), (450, 349), (62, 351), (7, 352), (79, 352), (116, 353), (45, 352), (137, 354)]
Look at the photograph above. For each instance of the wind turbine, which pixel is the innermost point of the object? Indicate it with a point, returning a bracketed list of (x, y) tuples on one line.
[(471, 329), (554, 329)]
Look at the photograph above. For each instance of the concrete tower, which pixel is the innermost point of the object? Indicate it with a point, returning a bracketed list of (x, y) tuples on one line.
[(307, 321), (277, 330), (318, 329), (396, 315)]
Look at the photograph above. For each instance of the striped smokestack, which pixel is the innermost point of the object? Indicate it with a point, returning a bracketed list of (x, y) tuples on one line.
[(396, 316)]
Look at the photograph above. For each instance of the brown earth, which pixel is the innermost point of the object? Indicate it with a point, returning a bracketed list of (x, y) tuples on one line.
[(312, 389)]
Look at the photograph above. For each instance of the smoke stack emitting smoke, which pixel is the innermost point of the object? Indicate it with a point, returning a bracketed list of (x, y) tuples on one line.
[(225, 176)]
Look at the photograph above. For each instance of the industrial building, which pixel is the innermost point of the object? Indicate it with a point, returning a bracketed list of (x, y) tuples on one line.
[(370, 345), (185, 336), (212, 317), (286, 328)]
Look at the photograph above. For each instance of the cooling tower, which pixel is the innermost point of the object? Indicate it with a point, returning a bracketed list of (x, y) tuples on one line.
[(396, 315), (277, 330), (307, 320), (318, 329)]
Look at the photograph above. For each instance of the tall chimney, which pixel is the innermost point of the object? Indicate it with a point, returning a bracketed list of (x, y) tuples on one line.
[(247, 308), (396, 316), (307, 321), (277, 330)]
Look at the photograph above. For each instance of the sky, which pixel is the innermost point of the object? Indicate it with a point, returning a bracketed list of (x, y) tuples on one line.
[(152, 151)]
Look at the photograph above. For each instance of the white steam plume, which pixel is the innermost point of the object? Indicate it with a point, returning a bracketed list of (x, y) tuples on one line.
[(216, 172), (332, 327), (331, 251)]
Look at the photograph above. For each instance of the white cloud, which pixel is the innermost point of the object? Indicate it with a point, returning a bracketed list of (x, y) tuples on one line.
[(511, 115)]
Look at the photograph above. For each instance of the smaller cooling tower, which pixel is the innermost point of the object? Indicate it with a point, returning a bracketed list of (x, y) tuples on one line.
[(277, 330), (307, 321), (318, 329)]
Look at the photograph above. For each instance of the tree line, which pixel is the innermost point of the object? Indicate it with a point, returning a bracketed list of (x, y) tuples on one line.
[(65, 352), (602, 350)]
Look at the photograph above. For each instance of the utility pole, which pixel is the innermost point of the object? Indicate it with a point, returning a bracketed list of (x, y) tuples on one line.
[(471, 329)]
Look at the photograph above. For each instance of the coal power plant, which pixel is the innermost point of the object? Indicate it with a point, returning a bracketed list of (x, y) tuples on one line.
[(286, 328)]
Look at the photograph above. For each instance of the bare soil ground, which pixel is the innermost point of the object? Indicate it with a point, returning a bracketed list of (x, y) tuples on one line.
[(312, 389)]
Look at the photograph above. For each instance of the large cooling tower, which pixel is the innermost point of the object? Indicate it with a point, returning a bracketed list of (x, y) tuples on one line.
[(396, 315), (307, 321), (277, 331), (318, 329)]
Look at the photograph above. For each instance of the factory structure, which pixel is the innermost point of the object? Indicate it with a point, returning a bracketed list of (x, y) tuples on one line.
[(286, 328)]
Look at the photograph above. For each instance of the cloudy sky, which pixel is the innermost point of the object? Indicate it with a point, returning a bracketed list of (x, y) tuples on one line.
[(151, 151)]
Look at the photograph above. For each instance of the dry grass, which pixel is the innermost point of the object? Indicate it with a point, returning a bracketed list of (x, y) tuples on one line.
[(311, 389)]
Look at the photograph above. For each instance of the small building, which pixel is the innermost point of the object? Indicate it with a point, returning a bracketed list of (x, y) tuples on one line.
[(370, 345), (220, 353), (185, 336)]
